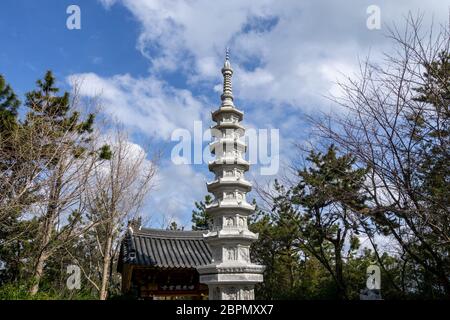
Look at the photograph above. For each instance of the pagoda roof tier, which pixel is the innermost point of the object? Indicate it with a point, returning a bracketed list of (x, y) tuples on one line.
[(230, 125), (229, 141), (227, 268), (230, 203), (228, 161), (217, 208), (227, 182), (232, 236), (224, 109)]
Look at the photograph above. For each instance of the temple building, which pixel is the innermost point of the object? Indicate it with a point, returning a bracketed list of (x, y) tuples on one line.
[(214, 264), (161, 264)]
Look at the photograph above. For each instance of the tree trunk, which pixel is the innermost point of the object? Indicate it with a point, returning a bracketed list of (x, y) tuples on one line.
[(341, 287), (44, 252), (105, 269), (38, 272)]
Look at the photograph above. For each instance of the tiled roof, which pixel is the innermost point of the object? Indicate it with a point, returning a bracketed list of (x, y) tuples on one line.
[(165, 248)]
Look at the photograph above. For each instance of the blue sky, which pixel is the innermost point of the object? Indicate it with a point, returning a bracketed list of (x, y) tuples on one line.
[(35, 39), (157, 66)]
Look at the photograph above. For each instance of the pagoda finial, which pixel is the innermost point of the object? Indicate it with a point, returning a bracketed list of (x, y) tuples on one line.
[(227, 72)]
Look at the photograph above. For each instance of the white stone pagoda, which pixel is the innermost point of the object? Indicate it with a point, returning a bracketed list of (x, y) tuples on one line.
[(231, 275)]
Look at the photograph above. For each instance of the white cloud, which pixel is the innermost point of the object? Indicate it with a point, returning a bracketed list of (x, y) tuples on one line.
[(107, 3), (197, 28), (147, 104), (178, 187), (298, 46)]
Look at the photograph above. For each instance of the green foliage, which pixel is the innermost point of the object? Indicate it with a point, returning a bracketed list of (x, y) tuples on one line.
[(20, 291), (431, 128), (173, 226), (9, 103), (13, 291), (200, 218), (328, 193), (429, 188), (17, 247), (276, 250), (436, 89), (105, 152), (49, 110)]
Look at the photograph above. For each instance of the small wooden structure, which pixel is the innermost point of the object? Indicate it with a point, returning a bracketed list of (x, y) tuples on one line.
[(161, 264)]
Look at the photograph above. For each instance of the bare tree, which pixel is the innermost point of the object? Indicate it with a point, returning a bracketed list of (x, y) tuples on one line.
[(392, 131), (62, 206), (118, 191)]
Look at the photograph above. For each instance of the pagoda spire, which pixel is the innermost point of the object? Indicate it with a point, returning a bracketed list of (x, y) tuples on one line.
[(227, 72)]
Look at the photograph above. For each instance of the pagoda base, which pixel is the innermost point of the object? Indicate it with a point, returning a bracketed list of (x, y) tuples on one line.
[(231, 282), (231, 292)]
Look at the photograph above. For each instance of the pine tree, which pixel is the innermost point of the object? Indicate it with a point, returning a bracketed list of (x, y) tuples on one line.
[(10, 181), (277, 249), (9, 104), (173, 226), (328, 193), (430, 129), (200, 219), (61, 140)]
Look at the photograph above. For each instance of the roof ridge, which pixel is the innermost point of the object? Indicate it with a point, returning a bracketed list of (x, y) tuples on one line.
[(151, 232)]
